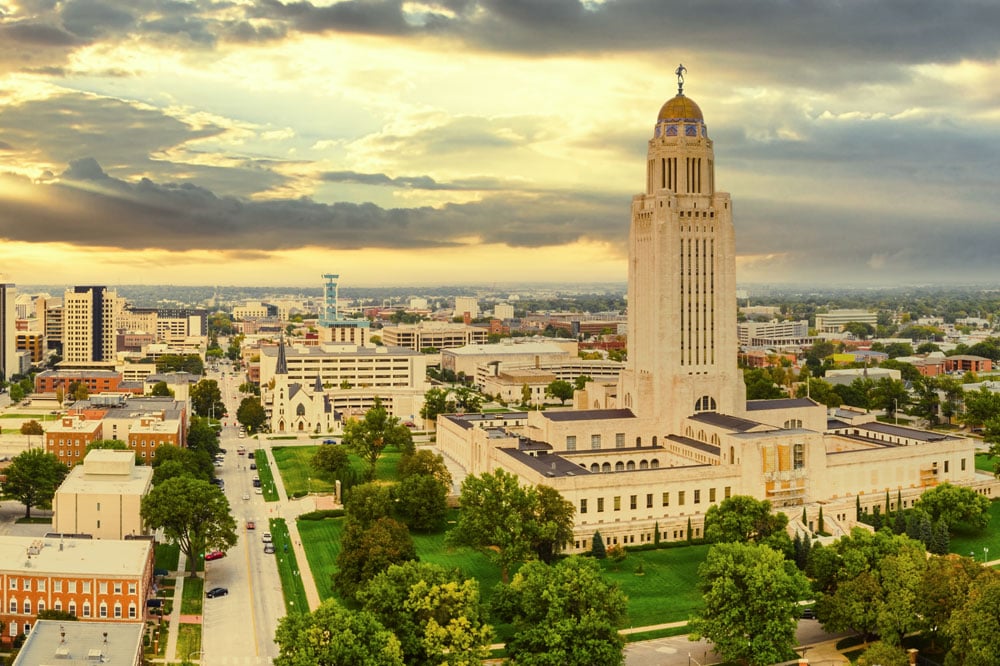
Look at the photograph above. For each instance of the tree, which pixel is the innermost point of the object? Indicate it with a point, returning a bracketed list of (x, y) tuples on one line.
[(370, 436), (194, 514), (33, 477), (946, 588), (860, 330), (890, 395), (426, 463), (553, 519), (170, 461), (564, 614), (597, 549), (206, 399), (190, 363), (201, 436), (581, 381), (435, 613), (331, 460), (422, 502), (436, 402), (367, 502), (750, 594), (974, 628), (883, 654), (366, 552), (980, 407), (30, 428), (496, 519), (760, 385), (743, 519), (560, 389), (334, 636), (161, 389), (954, 505), (251, 414)]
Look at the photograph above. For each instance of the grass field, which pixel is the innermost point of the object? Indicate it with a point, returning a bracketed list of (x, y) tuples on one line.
[(167, 556), (288, 568), (188, 641), (266, 477), (964, 543), (664, 593), (299, 477), (192, 596), (985, 462)]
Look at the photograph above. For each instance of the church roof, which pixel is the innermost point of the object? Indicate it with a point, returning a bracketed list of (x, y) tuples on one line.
[(282, 366), (680, 108)]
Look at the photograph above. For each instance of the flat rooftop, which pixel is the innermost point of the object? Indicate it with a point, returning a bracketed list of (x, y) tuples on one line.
[(98, 557), (56, 642)]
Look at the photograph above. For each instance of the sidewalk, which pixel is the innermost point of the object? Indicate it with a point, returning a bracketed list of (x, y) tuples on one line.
[(174, 623)]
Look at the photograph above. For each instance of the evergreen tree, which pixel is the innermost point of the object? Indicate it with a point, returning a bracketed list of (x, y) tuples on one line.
[(940, 539), (597, 548), (801, 551), (926, 530), (819, 522), (899, 500), (857, 506), (876, 521), (888, 508), (690, 534), (899, 522), (656, 533), (805, 518)]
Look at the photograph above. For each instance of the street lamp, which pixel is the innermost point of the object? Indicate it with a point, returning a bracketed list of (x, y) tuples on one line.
[(895, 410), (986, 553)]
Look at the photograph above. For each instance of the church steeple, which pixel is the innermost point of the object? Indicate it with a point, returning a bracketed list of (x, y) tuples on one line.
[(282, 366)]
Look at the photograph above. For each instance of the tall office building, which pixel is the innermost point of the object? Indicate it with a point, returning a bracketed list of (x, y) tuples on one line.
[(8, 332), (90, 322)]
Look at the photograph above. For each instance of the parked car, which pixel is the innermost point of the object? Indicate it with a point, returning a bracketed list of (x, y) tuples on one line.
[(258, 490), (217, 592), (253, 465), (329, 441), (266, 537), (250, 455), (251, 525), (808, 613), (246, 496), (268, 548), (214, 555)]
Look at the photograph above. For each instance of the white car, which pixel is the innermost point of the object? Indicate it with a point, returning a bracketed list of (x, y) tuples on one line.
[(246, 496), (266, 537), (259, 490)]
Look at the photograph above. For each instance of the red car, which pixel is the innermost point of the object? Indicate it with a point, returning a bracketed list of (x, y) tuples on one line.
[(214, 555)]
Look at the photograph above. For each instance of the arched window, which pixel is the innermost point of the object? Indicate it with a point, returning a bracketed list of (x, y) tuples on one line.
[(103, 609), (27, 606), (86, 609), (638, 442), (715, 438), (654, 440), (57, 605), (630, 466), (654, 463), (132, 611), (300, 410), (619, 466), (701, 435), (40, 605), (595, 468), (72, 608), (606, 467), (704, 404), (13, 605), (688, 432), (118, 609), (798, 456), (643, 464)]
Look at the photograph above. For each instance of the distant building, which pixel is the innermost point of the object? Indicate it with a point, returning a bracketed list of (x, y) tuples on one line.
[(96, 580), (967, 363), (333, 327), (90, 323), (503, 311), (467, 305), (467, 358), (107, 644), (69, 437), (102, 496), (9, 363), (433, 335), (835, 320), (255, 310), (774, 333)]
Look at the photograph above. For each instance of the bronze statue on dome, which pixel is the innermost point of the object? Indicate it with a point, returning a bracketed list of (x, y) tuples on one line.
[(680, 79)]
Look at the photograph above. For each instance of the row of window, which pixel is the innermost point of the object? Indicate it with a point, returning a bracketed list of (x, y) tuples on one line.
[(595, 441), (644, 537), (25, 584), (633, 500)]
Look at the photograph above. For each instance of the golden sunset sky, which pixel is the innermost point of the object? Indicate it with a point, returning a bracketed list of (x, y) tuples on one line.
[(467, 141)]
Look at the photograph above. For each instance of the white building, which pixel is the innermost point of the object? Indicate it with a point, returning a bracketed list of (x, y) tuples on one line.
[(774, 333), (467, 305), (433, 335), (503, 311), (102, 496), (91, 319), (835, 320), (677, 435)]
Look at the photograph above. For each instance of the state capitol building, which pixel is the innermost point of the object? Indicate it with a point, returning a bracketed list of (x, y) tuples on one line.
[(677, 434)]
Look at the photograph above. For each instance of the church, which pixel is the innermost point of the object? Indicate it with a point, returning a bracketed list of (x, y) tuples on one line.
[(677, 434)]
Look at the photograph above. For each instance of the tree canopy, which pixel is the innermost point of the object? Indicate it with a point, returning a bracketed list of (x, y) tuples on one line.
[(334, 636), (750, 594), (206, 399), (33, 477), (955, 505), (366, 551), (560, 389), (565, 613), (193, 514), (743, 519), (251, 414)]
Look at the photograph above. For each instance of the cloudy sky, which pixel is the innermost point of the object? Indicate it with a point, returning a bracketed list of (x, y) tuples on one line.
[(480, 141)]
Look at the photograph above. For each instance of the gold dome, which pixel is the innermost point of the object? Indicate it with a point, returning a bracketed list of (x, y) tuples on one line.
[(680, 108)]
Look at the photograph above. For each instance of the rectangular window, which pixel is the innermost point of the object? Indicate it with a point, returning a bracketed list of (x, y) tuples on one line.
[(571, 442), (726, 493), (118, 611), (963, 464), (633, 501), (583, 506), (86, 587), (131, 588), (619, 440), (595, 441), (711, 494), (118, 588), (57, 585), (600, 505), (102, 587), (131, 611), (680, 497), (72, 586), (13, 583), (666, 499), (946, 466), (649, 500), (618, 503), (40, 584)]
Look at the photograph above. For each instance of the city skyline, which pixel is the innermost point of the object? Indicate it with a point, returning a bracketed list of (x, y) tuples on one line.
[(469, 142)]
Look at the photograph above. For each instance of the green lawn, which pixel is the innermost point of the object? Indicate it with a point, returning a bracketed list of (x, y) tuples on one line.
[(299, 477), (192, 596), (188, 641), (665, 593), (985, 462), (965, 542), (167, 556), (266, 477), (288, 568)]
